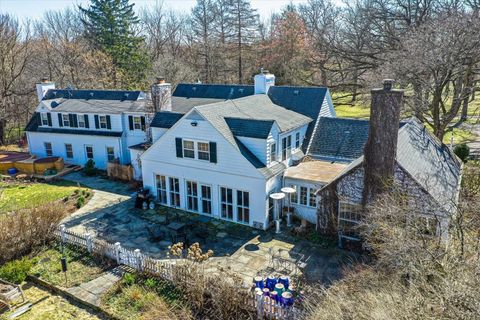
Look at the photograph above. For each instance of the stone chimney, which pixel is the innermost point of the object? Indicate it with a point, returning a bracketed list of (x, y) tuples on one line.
[(43, 86), (381, 147), (161, 95), (263, 81)]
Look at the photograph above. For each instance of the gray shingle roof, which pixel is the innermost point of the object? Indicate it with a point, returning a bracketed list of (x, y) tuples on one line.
[(185, 104), (213, 91), (428, 161), (251, 128), (165, 119), (96, 106), (120, 95), (339, 139)]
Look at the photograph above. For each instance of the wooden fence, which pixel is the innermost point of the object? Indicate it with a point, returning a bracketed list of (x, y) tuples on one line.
[(266, 308)]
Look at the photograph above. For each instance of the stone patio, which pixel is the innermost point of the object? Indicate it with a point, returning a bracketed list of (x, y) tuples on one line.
[(111, 215)]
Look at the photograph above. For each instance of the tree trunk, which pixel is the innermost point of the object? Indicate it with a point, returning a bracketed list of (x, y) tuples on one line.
[(3, 123)]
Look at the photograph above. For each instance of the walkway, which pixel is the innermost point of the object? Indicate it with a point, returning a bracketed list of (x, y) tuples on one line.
[(92, 291), (111, 215)]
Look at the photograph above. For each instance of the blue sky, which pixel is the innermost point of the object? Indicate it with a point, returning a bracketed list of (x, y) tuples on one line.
[(35, 8)]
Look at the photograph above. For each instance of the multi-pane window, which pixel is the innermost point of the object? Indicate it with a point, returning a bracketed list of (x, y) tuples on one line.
[(44, 117), (110, 153), (81, 120), (243, 206), (286, 147), (137, 123), (162, 189), (203, 151), (66, 120), (349, 216), (273, 152), (303, 195), (312, 197), (188, 149), (89, 152), (69, 151), (192, 196), (206, 199), (103, 122), (48, 149), (226, 203), (174, 192), (297, 140)]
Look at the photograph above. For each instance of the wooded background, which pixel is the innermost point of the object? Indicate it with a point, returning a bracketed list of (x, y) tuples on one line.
[(431, 47)]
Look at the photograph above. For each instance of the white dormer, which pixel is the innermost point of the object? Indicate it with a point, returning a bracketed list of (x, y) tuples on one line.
[(43, 87), (263, 82)]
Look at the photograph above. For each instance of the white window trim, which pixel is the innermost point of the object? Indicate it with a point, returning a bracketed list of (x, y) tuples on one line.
[(195, 149), (188, 149), (100, 122), (298, 187), (139, 118), (44, 117), (167, 198), (51, 149), (66, 121), (66, 151), (106, 152), (81, 116), (86, 153), (349, 237), (275, 154), (200, 199), (198, 151), (242, 206), (187, 196), (171, 191), (227, 203)]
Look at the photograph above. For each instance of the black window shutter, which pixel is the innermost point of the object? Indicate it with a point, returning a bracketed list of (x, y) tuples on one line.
[(85, 117), (130, 122), (60, 121), (142, 119), (178, 143), (75, 120), (109, 123), (97, 125), (213, 152), (49, 118)]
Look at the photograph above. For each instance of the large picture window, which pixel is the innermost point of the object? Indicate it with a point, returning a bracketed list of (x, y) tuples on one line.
[(162, 189), (174, 192), (243, 206), (226, 203), (188, 149)]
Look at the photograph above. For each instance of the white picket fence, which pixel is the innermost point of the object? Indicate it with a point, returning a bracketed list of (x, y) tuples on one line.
[(266, 308)]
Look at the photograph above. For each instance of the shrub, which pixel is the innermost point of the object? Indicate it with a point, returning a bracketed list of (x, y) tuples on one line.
[(129, 279), (89, 168), (462, 151), (16, 271), (151, 283), (80, 202)]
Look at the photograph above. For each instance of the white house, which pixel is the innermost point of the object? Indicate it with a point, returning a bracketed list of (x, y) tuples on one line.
[(87, 124), (223, 149)]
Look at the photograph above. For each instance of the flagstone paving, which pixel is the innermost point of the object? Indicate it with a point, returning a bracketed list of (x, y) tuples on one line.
[(111, 215)]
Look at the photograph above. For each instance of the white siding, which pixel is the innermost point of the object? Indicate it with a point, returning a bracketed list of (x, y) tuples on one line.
[(36, 142), (303, 211), (231, 170), (157, 133), (136, 163)]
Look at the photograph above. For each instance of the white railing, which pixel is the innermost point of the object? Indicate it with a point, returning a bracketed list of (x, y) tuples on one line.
[(266, 307)]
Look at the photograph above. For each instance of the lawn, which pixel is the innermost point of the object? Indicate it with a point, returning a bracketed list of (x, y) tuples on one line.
[(81, 266), (48, 307), (16, 195)]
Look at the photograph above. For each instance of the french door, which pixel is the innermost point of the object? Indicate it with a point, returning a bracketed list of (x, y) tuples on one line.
[(192, 196), (206, 199)]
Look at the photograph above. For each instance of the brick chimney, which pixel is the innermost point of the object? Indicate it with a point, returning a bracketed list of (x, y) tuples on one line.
[(161, 95), (381, 147), (43, 86)]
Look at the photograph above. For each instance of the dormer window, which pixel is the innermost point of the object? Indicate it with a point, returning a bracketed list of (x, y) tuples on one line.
[(273, 152), (137, 123), (81, 121), (44, 117), (66, 120), (297, 140), (203, 151), (188, 149), (103, 122)]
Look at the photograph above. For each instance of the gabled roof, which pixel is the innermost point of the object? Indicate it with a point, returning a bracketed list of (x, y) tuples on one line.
[(427, 160), (165, 119), (213, 91), (185, 104), (119, 95), (257, 107), (339, 139), (251, 128)]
